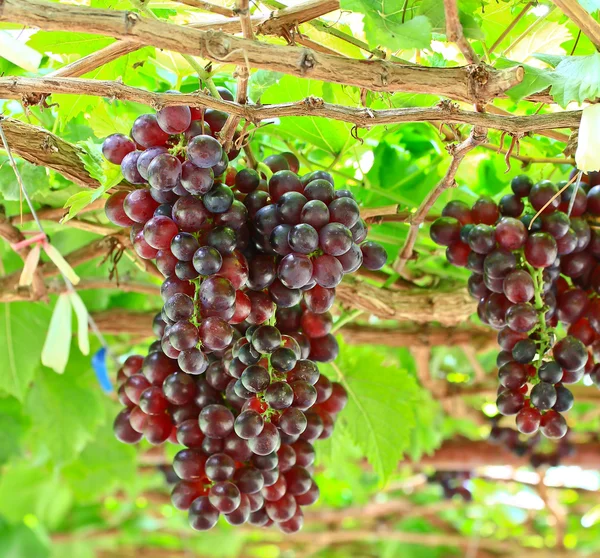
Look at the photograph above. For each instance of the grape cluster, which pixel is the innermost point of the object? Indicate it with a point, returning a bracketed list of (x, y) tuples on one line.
[(530, 446), (453, 483), (529, 273), (251, 264)]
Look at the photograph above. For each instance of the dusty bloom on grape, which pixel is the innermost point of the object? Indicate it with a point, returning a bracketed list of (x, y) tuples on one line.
[(588, 146)]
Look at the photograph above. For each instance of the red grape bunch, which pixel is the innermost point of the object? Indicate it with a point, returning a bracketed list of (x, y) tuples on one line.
[(530, 446), (453, 483), (250, 266), (529, 273)]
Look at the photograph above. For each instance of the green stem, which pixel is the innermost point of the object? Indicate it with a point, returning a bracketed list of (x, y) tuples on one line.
[(261, 167), (346, 319), (546, 333)]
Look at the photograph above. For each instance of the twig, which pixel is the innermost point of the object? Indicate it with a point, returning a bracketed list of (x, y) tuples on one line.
[(476, 138), (511, 26), (377, 75), (576, 13), (208, 6), (454, 32), (16, 87), (243, 75)]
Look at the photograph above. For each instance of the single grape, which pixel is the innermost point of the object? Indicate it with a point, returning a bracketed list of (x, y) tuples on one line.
[(115, 147), (147, 133), (204, 151), (216, 421), (543, 396), (528, 420)]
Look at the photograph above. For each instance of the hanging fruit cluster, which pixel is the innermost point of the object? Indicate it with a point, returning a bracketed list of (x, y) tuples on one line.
[(534, 262), (251, 262)]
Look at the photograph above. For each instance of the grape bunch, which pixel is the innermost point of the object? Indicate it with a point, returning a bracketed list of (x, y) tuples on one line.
[(250, 262), (534, 262), (530, 446), (453, 483)]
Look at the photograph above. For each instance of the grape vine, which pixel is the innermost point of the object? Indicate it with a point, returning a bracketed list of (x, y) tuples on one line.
[(251, 260)]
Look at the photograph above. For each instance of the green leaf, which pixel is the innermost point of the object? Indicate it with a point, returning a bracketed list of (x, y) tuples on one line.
[(19, 541), (104, 172), (383, 24), (260, 81), (60, 42), (331, 135), (103, 466), (547, 39), (81, 313), (35, 179), (65, 410), (55, 353), (380, 415), (12, 425), (534, 81), (550, 59), (576, 79), (28, 488), (22, 328)]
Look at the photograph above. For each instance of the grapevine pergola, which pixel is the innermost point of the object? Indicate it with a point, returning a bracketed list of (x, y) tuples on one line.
[(428, 317)]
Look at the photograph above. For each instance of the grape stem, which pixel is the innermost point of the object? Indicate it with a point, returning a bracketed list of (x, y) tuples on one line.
[(346, 319), (261, 167), (546, 333)]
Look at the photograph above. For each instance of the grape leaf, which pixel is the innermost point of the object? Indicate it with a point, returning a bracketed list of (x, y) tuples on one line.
[(104, 465), (22, 328), (576, 79), (384, 24), (12, 425), (380, 415), (550, 59), (66, 409), (57, 346), (260, 81), (547, 39), (35, 179), (17, 541), (330, 135), (28, 488), (107, 174), (534, 81), (58, 42)]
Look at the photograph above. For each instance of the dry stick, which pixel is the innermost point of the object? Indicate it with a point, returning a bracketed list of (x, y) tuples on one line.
[(22, 87), (121, 48), (69, 286), (541, 210), (243, 75), (548, 133), (477, 137), (454, 32), (208, 6), (376, 75), (512, 25), (292, 16), (581, 18), (329, 29), (526, 160)]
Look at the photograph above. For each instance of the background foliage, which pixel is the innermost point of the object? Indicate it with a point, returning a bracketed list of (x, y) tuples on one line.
[(67, 488)]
